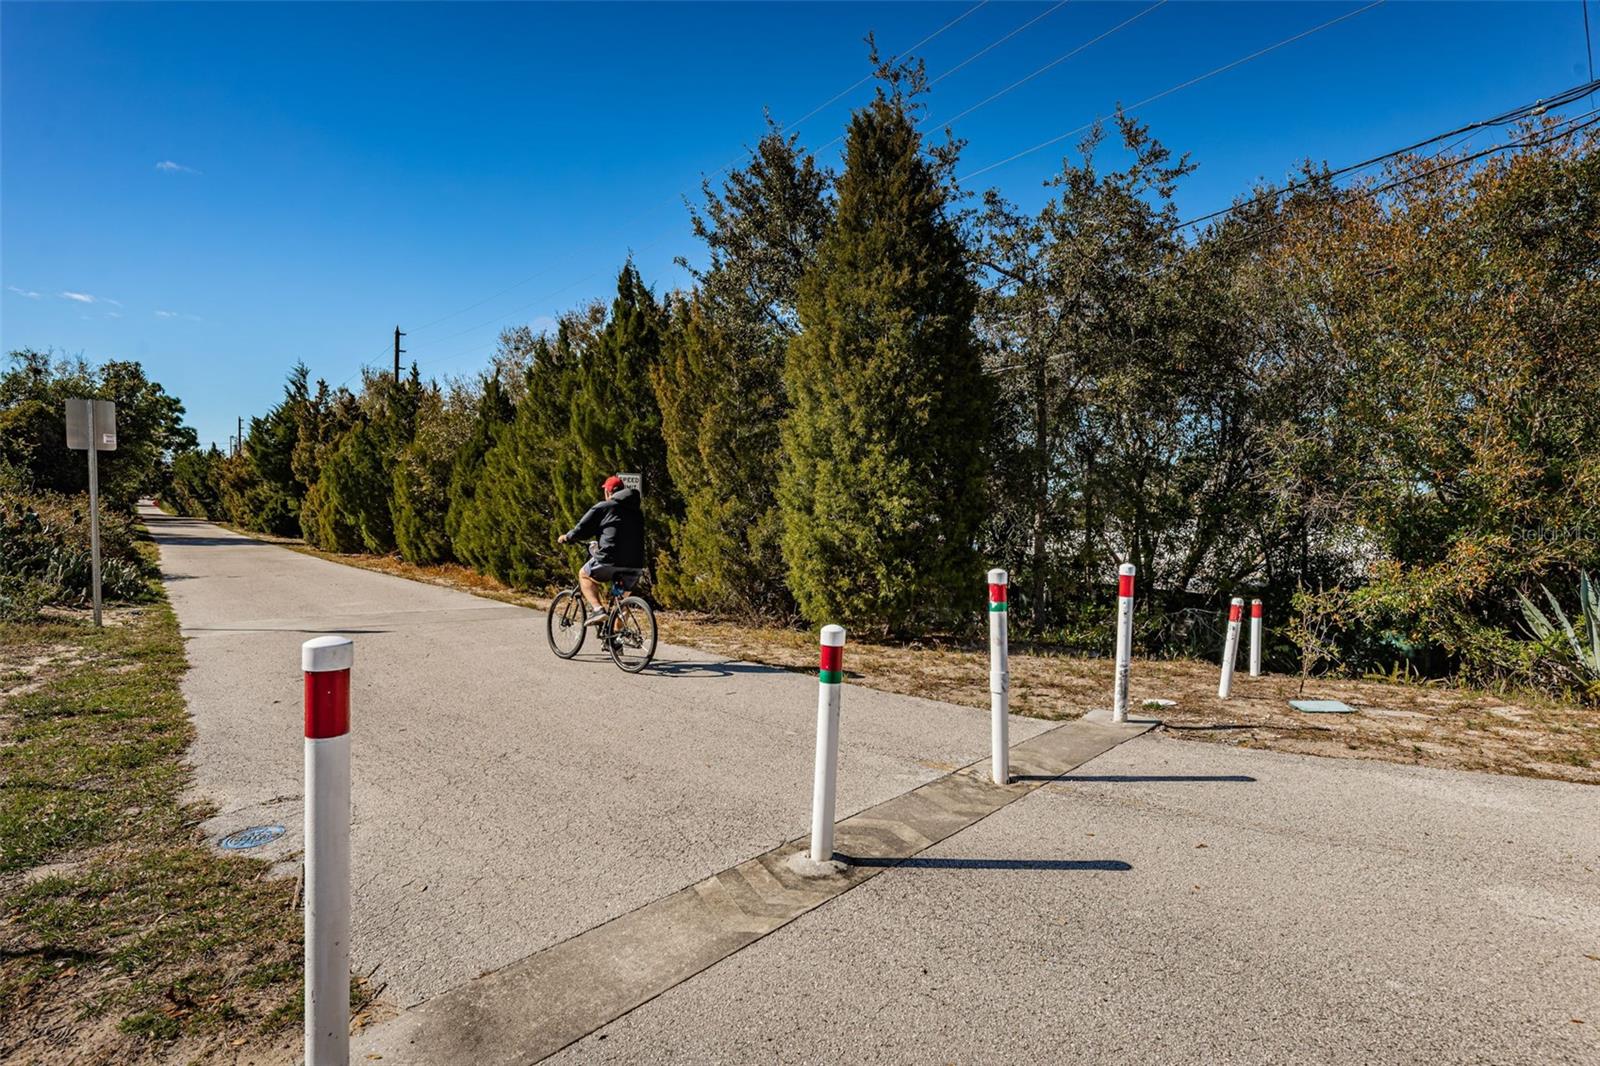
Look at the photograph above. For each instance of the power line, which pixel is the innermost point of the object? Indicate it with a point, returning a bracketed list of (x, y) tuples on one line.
[(1573, 125), (546, 270), (1193, 81), (500, 318), (1537, 107), (1176, 88), (1053, 63), (677, 196), (858, 84), (1015, 84), (996, 44), (1588, 45)]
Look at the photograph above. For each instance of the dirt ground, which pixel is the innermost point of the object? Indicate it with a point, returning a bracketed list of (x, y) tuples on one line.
[(1423, 723)]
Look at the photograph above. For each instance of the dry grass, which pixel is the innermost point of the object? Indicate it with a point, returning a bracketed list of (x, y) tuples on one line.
[(1429, 724), (124, 937)]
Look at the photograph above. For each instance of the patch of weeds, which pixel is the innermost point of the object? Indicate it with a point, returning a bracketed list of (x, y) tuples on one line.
[(152, 1024)]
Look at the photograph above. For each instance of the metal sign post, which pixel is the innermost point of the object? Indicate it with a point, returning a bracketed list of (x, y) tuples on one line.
[(92, 426)]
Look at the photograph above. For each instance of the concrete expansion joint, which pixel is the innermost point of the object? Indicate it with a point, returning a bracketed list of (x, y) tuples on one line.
[(545, 1001)]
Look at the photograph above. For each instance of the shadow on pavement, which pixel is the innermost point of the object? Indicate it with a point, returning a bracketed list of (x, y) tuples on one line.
[(344, 632), (689, 668), (180, 541), (1136, 778), (941, 863)]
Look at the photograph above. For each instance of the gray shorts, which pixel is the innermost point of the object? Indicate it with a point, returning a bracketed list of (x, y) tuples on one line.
[(607, 572)]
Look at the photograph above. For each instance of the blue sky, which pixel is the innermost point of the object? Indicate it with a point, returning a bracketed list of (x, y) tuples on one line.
[(237, 186)]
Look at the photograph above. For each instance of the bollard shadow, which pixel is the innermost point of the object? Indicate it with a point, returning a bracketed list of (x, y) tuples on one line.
[(943, 863), (1207, 728), (342, 632), (692, 668), (1128, 779)]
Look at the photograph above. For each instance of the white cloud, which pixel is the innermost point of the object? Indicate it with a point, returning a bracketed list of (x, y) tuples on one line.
[(80, 297), (23, 292), (113, 314), (167, 166), (166, 314)]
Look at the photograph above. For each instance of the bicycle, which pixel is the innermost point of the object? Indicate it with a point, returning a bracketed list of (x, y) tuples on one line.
[(628, 631)]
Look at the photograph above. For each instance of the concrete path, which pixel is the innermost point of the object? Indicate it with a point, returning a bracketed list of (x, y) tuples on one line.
[(1276, 909), (1167, 902), (504, 799)]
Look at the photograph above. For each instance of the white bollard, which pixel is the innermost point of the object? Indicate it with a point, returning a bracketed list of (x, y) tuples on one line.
[(830, 675), (1255, 638), (326, 662), (1119, 699), (1230, 650), (999, 680)]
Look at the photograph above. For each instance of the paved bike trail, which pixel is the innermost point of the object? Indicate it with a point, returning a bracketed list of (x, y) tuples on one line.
[(504, 799)]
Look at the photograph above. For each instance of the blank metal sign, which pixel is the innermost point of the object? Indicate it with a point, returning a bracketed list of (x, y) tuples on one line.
[(105, 425)]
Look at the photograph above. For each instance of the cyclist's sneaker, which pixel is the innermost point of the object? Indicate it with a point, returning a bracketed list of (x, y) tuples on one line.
[(596, 616)]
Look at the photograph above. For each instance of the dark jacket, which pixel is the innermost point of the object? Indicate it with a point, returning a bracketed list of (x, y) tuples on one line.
[(619, 524)]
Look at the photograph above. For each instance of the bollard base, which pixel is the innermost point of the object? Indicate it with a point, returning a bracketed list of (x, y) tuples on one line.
[(803, 864)]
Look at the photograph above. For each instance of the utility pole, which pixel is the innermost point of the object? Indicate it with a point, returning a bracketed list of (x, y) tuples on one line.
[(397, 353), (239, 438)]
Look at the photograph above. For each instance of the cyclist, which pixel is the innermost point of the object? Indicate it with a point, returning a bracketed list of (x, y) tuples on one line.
[(618, 522)]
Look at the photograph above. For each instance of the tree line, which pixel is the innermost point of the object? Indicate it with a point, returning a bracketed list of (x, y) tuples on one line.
[(45, 543), (1376, 405)]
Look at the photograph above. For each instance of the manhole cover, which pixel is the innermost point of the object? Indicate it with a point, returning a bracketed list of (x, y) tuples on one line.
[(253, 837)]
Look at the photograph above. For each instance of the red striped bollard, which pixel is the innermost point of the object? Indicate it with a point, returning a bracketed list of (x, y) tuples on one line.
[(830, 677), (999, 680), (1119, 699), (326, 662), (1230, 648), (1255, 638)]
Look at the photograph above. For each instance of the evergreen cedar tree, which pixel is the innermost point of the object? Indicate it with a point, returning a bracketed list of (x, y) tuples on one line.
[(720, 381), (421, 500), (493, 414), (614, 420), (882, 483), (508, 521)]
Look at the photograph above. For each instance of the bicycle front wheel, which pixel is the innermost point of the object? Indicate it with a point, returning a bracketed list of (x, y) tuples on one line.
[(633, 634), (563, 625)]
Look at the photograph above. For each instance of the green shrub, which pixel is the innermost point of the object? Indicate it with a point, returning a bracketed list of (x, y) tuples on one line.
[(45, 555)]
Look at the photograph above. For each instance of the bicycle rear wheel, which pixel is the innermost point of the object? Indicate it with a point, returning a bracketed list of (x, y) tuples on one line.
[(633, 634), (563, 624)]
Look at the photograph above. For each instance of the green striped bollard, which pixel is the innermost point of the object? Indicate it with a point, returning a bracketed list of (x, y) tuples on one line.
[(830, 676), (999, 681)]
